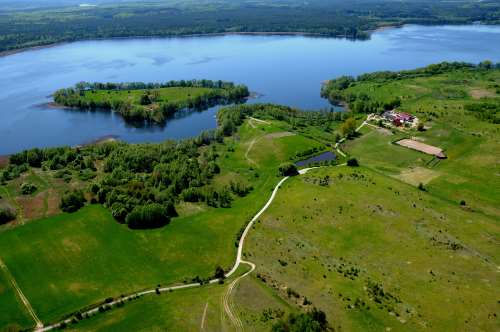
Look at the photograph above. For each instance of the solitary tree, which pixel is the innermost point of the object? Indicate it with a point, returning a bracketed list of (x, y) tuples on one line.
[(348, 128), (145, 100)]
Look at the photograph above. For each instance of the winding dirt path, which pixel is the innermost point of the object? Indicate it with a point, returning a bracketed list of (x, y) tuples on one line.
[(226, 301), (233, 317)]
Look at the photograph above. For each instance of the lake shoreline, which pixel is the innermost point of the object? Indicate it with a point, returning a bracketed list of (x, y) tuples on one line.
[(211, 34), (267, 65), (229, 33)]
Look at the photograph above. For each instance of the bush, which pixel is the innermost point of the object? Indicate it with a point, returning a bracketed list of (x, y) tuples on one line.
[(148, 216), (72, 201), (353, 162), (421, 186), (219, 273), (7, 213), (119, 211), (288, 169), (313, 321), (28, 188)]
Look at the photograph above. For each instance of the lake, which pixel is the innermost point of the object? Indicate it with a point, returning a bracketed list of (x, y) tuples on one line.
[(281, 69)]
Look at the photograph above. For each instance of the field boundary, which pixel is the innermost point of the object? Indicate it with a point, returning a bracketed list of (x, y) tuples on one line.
[(96, 307), (20, 294)]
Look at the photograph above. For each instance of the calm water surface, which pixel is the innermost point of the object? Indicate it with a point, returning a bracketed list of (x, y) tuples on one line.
[(283, 69)]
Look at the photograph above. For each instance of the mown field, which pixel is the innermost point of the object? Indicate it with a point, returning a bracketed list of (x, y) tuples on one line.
[(184, 311), (405, 242), (471, 144), (177, 311), (376, 254), (82, 258), (12, 313), (174, 95)]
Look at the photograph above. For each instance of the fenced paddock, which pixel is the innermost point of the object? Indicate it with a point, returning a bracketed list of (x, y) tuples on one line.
[(422, 147)]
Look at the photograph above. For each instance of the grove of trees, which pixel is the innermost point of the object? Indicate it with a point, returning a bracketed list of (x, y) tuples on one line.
[(220, 93)]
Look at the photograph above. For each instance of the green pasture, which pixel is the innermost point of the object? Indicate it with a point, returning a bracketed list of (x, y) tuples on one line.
[(13, 314), (437, 263), (172, 94), (66, 262)]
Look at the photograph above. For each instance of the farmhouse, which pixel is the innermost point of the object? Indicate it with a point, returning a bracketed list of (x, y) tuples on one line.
[(398, 118)]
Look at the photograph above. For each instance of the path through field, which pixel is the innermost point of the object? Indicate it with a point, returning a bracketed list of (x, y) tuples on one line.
[(202, 325), (227, 295), (23, 298)]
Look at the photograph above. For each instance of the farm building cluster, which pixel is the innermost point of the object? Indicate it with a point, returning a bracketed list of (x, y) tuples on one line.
[(400, 118)]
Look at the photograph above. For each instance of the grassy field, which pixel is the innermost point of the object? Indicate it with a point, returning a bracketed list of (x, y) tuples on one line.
[(471, 172), (176, 311), (13, 315), (374, 253), (362, 244), (174, 95), (184, 311), (81, 258)]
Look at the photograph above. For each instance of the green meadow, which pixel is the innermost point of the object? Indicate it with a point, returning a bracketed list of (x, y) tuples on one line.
[(405, 242), (376, 254), (173, 95), (13, 316), (177, 311), (184, 311), (470, 172), (78, 259)]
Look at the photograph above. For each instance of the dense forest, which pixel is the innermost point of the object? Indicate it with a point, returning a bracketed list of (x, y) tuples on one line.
[(29, 27), (152, 102), (141, 183), (337, 90)]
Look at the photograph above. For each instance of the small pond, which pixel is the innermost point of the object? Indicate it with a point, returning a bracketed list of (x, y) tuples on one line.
[(325, 156)]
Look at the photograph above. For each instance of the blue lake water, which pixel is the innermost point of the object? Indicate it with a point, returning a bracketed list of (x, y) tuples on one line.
[(282, 69), (325, 156)]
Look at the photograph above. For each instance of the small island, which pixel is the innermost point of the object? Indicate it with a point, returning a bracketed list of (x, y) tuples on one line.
[(152, 102)]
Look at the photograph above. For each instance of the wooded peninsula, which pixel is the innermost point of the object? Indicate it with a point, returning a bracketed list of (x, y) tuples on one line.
[(152, 102)]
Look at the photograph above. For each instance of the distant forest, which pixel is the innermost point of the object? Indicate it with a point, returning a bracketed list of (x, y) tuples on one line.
[(32, 23)]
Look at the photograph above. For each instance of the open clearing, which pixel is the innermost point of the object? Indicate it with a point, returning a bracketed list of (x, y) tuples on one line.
[(82, 258), (338, 245), (481, 93), (418, 175), (362, 244)]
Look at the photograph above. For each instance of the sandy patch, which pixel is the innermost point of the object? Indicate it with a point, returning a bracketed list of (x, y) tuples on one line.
[(384, 131), (53, 200), (253, 121), (477, 93), (279, 134), (422, 147), (33, 207), (187, 208), (418, 175), (417, 88)]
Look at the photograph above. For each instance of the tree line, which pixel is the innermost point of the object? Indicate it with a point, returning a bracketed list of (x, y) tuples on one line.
[(141, 183), (150, 108), (35, 27), (335, 89)]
